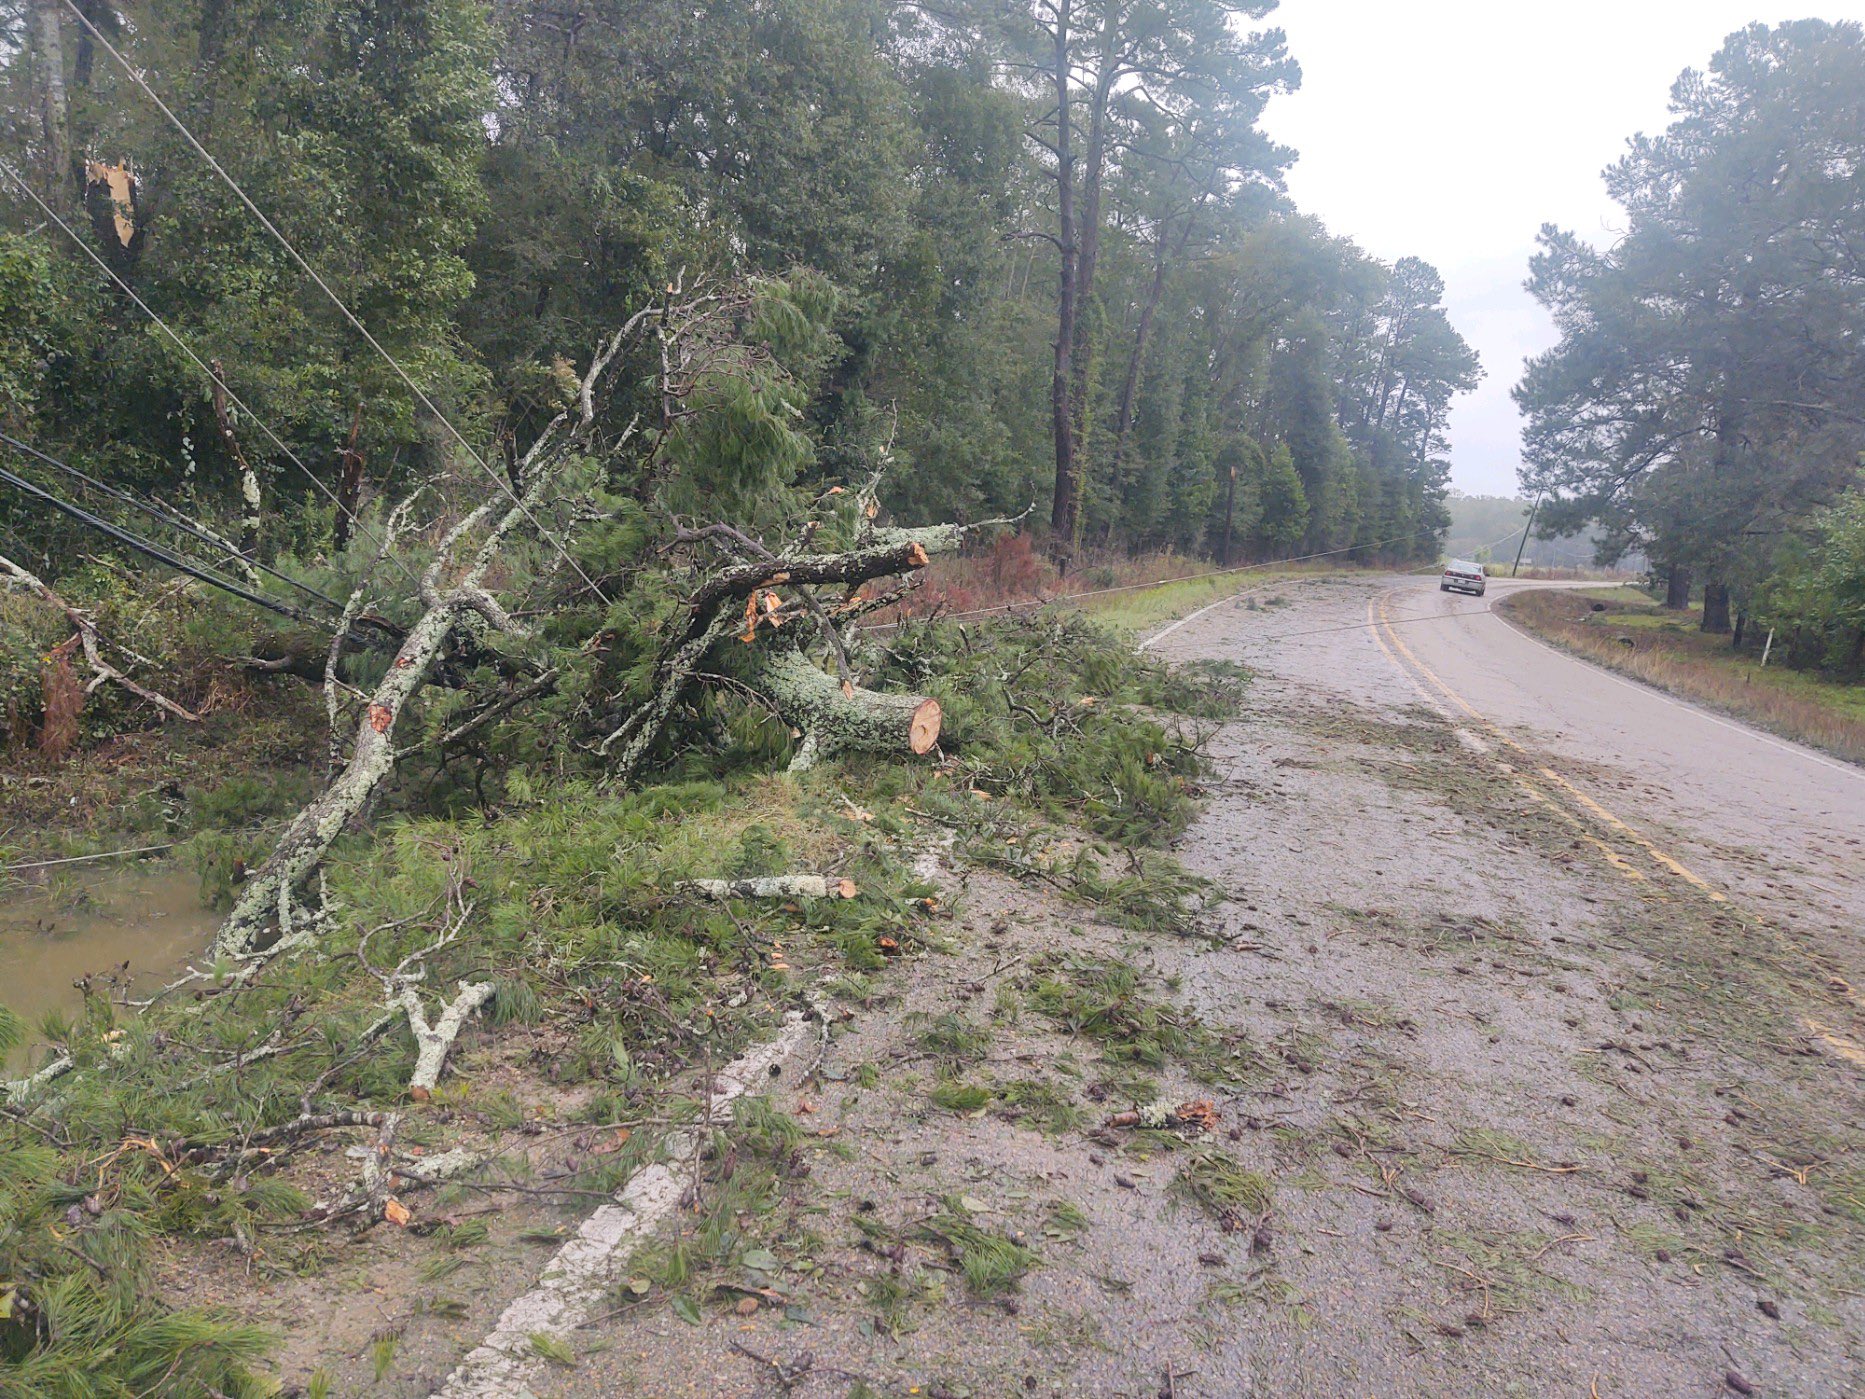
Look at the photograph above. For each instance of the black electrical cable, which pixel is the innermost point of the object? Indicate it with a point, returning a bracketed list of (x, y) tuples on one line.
[(167, 517), (154, 551)]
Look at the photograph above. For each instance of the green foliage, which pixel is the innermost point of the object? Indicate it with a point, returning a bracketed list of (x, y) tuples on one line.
[(1816, 596), (1061, 714), (991, 1263), (1103, 1001), (1223, 1186), (1705, 401)]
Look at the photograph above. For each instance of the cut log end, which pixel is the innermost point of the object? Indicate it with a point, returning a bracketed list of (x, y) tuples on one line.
[(923, 732)]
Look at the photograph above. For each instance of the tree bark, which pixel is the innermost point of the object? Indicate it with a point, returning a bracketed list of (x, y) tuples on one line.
[(836, 716), (1155, 293), (48, 44), (102, 14), (771, 886), (250, 498), (1677, 588), (1230, 508), (350, 485), (434, 1039), (1715, 607), (1062, 510)]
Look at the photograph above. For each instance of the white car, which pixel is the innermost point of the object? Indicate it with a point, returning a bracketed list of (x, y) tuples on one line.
[(1462, 576)]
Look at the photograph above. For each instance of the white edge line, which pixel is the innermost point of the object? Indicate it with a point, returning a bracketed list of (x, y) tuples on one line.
[(1797, 749), (579, 1273), (1171, 627)]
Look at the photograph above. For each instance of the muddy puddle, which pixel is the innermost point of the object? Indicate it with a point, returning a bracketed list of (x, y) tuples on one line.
[(151, 918)]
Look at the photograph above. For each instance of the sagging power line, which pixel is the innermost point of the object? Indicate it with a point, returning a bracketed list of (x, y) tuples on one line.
[(151, 550), (168, 517), (193, 141), (213, 375)]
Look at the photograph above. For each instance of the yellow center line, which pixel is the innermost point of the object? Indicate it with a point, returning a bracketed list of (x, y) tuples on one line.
[(1675, 866), (1612, 857), (1688, 875)]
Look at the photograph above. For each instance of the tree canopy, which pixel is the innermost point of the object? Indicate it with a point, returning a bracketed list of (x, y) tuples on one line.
[(1707, 398), (1062, 263)]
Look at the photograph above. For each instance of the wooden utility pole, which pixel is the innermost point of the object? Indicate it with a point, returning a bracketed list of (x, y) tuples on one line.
[(1525, 529)]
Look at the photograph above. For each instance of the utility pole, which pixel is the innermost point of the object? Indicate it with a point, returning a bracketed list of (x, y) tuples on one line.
[(1525, 529)]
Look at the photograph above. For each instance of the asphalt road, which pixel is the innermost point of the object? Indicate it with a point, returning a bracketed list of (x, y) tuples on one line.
[(1749, 813)]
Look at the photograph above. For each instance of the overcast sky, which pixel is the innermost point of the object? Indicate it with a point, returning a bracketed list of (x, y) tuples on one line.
[(1453, 129)]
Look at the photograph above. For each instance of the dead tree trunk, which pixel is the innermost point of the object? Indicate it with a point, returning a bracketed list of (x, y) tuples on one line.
[(267, 901)]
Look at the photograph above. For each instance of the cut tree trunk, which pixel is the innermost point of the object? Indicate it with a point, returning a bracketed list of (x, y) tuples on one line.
[(836, 716), (1715, 607)]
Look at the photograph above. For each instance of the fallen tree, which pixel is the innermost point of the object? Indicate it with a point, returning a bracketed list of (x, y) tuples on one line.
[(773, 598), (774, 625), (457, 600)]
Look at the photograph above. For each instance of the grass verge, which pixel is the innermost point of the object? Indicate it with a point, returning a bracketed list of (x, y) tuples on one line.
[(614, 993)]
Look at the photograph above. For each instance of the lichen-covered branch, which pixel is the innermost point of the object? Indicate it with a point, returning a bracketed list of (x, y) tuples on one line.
[(771, 886), (836, 716), (454, 590), (834, 712), (434, 1039)]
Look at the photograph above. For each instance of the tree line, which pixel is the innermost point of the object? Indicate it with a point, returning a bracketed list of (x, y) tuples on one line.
[(1062, 263), (1706, 402)]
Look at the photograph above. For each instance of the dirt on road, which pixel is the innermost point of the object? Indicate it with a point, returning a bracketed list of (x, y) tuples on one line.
[(1526, 1012)]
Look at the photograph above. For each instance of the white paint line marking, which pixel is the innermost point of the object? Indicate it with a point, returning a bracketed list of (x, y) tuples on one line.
[(1166, 631), (579, 1274)]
